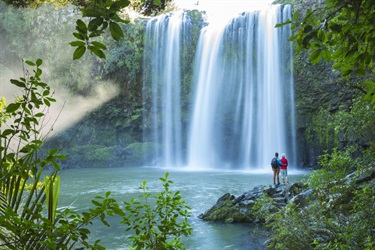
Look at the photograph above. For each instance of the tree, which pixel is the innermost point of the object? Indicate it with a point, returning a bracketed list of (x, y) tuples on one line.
[(341, 32)]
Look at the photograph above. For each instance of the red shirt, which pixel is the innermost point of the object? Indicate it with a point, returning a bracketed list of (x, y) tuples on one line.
[(284, 163)]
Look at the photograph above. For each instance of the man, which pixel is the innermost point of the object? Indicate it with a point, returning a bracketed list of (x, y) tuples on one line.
[(276, 163)]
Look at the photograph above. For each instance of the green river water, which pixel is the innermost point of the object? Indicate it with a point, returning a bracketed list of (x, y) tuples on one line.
[(201, 190)]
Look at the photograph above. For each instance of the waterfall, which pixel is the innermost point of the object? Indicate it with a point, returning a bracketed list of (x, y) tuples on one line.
[(163, 73), (242, 105)]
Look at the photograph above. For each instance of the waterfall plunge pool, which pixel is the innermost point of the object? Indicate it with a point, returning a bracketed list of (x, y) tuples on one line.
[(200, 189)]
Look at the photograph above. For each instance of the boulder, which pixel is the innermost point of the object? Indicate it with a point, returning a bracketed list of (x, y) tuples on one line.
[(231, 209)]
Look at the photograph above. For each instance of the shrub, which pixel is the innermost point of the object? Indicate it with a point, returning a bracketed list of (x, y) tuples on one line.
[(160, 227)]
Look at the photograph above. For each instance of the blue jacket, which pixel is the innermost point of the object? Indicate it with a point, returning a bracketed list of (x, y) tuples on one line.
[(278, 161)]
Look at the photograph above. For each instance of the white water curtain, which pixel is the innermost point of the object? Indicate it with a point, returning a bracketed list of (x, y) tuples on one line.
[(242, 110)]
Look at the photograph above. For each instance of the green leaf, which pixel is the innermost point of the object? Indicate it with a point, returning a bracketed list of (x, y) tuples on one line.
[(105, 25), (79, 36), (157, 2), (61, 157), (295, 16), (53, 151), (81, 26), (56, 166), (307, 29), (99, 45), (91, 12), (30, 63), (96, 203), (46, 92), (98, 52), (77, 43), (321, 35), (39, 62), (116, 18), (51, 99), (7, 132), (18, 83), (326, 55), (46, 102), (316, 56), (95, 23), (78, 53), (335, 27), (12, 107), (118, 5), (369, 84), (116, 31), (283, 24)]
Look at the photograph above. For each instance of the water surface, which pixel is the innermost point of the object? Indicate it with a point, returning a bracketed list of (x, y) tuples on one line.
[(201, 190)]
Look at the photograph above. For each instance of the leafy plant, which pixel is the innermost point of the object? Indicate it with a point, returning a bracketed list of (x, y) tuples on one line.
[(102, 14), (158, 227), (28, 206), (341, 32)]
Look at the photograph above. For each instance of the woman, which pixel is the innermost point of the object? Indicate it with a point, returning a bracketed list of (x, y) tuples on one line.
[(283, 169)]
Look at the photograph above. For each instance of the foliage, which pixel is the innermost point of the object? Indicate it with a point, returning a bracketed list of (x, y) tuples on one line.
[(140, 151), (102, 14), (160, 227), (28, 206), (337, 219), (335, 166), (29, 219), (322, 128), (263, 207), (356, 124), (35, 3), (91, 152), (337, 216), (28, 33), (341, 32), (149, 7), (126, 56)]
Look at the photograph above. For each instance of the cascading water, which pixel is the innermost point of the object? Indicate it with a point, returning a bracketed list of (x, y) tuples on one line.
[(164, 36), (242, 110)]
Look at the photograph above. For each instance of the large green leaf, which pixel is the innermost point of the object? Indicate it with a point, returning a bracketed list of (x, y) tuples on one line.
[(78, 53), (116, 31), (12, 107)]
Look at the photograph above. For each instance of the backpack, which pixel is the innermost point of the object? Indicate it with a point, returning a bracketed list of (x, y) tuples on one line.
[(274, 163)]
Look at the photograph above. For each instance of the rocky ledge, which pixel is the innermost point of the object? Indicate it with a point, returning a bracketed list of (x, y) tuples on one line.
[(231, 209)]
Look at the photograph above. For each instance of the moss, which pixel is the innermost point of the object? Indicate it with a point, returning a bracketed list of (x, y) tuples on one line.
[(139, 151), (93, 153)]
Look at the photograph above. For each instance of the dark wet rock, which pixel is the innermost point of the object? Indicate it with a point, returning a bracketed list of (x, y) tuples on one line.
[(231, 209), (302, 199)]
